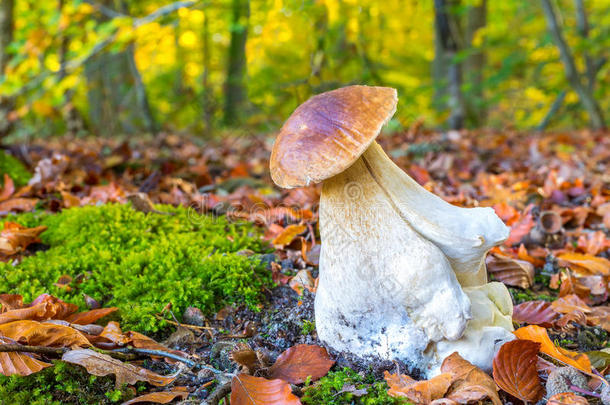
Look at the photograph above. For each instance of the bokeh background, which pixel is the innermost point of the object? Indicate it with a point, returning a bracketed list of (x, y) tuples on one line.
[(108, 67)]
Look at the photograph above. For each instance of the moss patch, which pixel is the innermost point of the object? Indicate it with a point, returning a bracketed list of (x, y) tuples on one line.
[(140, 262), (328, 390), (62, 384), (14, 168)]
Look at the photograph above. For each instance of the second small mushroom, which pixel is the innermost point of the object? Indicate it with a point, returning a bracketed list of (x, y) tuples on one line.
[(402, 272)]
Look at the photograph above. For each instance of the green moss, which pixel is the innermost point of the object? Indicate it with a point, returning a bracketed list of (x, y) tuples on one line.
[(520, 296), (14, 168), (326, 390), (307, 327), (62, 384), (140, 262)]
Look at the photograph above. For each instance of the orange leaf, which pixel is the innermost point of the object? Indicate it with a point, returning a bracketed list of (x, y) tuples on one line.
[(538, 334), (18, 204), (249, 390), (42, 308), (298, 362), (570, 303), (43, 334), (113, 332), (420, 392), (302, 280), (164, 397), (585, 263), (567, 398), (15, 237), (469, 383), (87, 317), (8, 189), (519, 229), (288, 234), (17, 363), (535, 313), (101, 364), (513, 272), (514, 370)]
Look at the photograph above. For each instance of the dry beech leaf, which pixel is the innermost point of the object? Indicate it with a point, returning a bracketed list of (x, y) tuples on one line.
[(14, 237), (301, 281), (469, 383), (420, 392), (113, 332), (17, 363), (298, 362), (8, 189), (250, 390), (163, 397), (101, 364), (600, 316), (538, 334), (288, 234), (87, 317), (10, 301), (519, 229), (18, 204), (43, 334), (587, 264), (535, 313), (567, 398), (514, 370), (513, 272), (570, 303)]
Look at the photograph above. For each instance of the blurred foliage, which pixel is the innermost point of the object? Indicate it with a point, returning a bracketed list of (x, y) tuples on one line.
[(294, 48)]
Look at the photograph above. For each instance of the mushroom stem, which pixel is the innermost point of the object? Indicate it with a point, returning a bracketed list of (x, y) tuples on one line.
[(463, 234)]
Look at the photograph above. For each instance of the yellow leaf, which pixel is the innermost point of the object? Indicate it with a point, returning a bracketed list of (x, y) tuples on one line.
[(289, 234)]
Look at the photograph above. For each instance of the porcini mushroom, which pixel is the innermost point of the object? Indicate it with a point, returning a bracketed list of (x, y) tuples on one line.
[(393, 254)]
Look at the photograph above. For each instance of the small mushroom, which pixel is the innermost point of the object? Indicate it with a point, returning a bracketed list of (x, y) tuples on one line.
[(393, 254)]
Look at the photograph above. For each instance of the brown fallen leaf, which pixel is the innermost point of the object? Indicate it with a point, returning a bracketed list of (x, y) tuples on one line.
[(535, 313), (301, 281), (250, 390), (539, 334), (519, 229), (420, 392), (570, 303), (514, 370), (567, 398), (14, 238), (18, 363), (162, 397), (87, 317), (43, 334), (8, 189), (288, 234), (112, 331), (10, 301), (101, 365), (301, 361), (469, 383), (600, 316), (18, 204), (585, 264), (513, 272)]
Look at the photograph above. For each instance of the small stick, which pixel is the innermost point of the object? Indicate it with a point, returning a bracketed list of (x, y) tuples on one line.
[(219, 393), (582, 391), (32, 349), (184, 325)]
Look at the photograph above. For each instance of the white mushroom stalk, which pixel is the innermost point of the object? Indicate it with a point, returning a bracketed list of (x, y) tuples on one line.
[(394, 257)]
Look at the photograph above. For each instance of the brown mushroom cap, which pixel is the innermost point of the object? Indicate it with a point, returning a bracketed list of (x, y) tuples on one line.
[(326, 134)]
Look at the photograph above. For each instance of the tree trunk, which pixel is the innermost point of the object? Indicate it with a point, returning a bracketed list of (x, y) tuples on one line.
[(474, 65), (6, 37), (207, 89), (235, 92), (584, 93), (449, 42)]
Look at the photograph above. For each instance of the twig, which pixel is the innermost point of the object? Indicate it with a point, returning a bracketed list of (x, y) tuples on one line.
[(582, 391), (159, 353), (33, 349), (184, 325), (219, 393)]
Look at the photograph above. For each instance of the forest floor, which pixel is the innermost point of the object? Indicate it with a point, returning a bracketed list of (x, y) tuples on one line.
[(222, 268)]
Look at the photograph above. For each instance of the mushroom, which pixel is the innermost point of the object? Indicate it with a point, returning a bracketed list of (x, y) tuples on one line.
[(394, 256)]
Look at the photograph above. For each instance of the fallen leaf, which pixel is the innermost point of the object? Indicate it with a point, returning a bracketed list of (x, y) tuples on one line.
[(113, 332), (47, 307), (43, 334), (18, 204), (8, 189), (583, 263), (599, 316), (162, 397), (469, 383), (101, 365), (420, 392), (19, 363), (87, 317), (567, 398), (301, 361), (10, 301), (599, 359), (288, 234), (519, 229), (250, 390), (570, 303), (302, 280), (535, 313), (14, 237), (513, 272), (514, 370), (538, 334)]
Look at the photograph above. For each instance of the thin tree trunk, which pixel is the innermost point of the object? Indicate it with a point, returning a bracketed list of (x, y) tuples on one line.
[(207, 90), (6, 37), (475, 64), (584, 94), (142, 98), (448, 29), (235, 92)]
